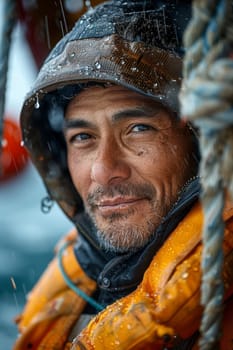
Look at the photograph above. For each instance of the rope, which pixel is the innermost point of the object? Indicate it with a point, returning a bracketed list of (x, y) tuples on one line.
[(9, 19), (72, 286), (206, 100)]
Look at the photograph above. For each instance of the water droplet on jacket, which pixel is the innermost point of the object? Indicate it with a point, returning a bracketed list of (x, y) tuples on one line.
[(168, 296), (100, 339), (185, 275), (22, 143), (129, 326)]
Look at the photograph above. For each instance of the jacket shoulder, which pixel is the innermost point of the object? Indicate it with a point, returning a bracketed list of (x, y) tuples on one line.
[(51, 303)]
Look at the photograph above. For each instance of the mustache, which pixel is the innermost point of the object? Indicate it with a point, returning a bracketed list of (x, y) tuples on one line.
[(126, 189)]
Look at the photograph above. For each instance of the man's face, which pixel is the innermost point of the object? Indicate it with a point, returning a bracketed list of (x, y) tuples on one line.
[(128, 158)]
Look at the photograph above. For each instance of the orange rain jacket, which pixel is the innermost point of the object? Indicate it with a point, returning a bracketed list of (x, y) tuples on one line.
[(163, 309)]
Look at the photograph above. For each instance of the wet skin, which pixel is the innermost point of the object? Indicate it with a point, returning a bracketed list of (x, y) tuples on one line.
[(128, 158)]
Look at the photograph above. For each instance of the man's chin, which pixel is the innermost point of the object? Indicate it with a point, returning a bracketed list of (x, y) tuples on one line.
[(114, 246), (124, 237), (124, 232)]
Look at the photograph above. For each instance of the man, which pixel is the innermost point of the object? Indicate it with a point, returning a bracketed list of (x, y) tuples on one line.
[(103, 129)]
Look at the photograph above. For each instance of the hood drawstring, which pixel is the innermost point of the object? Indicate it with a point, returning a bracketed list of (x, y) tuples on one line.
[(70, 283)]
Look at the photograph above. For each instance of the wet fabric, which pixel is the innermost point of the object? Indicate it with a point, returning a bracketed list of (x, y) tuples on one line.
[(165, 308)]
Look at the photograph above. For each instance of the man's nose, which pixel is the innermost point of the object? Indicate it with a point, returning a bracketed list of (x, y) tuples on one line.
[(110, 165)]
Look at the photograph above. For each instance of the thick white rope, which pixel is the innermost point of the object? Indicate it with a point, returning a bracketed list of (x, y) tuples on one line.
[(207, 101)]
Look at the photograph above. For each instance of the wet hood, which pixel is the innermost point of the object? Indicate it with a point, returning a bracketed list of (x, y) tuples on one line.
[(136, 44)]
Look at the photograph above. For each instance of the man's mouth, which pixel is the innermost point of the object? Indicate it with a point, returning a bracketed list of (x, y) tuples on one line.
[(120, 204), (120, 199)]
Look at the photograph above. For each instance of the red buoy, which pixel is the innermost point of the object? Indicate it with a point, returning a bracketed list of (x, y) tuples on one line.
[(13, 154)]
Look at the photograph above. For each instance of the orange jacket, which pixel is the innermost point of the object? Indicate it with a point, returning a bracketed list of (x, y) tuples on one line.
[(164, 307)]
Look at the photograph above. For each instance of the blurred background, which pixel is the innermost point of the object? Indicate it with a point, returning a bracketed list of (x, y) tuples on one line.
[(27, 235)]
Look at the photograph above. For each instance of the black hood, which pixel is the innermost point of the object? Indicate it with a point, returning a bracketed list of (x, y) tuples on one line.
[(136, 44)]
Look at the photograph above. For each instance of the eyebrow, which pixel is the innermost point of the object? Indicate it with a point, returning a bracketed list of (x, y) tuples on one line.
[(77, 123), (142, 112), (136, 112)]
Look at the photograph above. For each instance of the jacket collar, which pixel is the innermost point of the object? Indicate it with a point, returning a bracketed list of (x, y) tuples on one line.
[(121, 272)]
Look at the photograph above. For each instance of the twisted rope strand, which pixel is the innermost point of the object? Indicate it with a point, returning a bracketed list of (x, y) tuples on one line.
[(206, 100)]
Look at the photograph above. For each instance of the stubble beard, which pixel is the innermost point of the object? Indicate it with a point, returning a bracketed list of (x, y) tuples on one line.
[(115, 234)]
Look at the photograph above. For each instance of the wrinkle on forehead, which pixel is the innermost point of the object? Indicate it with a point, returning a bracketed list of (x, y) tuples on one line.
[(130, 103)]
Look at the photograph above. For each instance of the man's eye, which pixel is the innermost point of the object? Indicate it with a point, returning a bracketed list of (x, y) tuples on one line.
[(141, 127), (80, 137)]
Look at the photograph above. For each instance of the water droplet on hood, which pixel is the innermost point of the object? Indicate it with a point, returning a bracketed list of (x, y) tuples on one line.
[(72, 54), (97, 65), (37, 104)]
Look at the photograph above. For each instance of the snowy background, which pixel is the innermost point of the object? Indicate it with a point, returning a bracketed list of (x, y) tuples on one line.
[(27, 236)]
